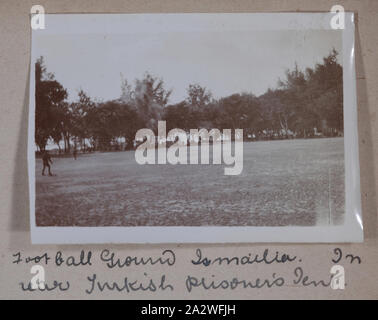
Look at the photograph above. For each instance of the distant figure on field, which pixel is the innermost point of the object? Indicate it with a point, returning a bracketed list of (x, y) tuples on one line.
[(75, 153), (46, 162)]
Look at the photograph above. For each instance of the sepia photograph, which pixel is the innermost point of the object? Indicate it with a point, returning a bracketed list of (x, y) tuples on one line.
[(190, 120)]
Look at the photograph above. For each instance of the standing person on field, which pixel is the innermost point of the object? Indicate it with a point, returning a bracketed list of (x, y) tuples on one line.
[(75, 153), (46, 162)]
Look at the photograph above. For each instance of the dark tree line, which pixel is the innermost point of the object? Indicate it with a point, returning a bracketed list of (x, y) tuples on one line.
[(305, 103)]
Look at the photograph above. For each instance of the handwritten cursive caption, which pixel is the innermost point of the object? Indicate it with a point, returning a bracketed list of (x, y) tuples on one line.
[(210, 272)]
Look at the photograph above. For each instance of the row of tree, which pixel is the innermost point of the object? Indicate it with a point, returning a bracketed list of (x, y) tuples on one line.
[(304, 104)]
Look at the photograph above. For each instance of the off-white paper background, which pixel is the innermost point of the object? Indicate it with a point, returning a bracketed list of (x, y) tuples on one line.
[(362, 280)]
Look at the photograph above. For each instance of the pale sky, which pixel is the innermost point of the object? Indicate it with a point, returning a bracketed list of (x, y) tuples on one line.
[(225, 62)]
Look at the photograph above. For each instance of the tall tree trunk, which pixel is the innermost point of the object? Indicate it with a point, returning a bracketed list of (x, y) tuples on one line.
[(67, 145)]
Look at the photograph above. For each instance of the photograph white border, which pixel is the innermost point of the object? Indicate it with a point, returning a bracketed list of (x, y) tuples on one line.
[(350, 231)]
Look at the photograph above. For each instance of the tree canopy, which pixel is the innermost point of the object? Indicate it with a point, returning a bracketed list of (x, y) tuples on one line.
[(304, 103)]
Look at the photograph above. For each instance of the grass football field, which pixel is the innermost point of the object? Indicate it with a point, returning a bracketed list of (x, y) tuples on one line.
[(286, 182)]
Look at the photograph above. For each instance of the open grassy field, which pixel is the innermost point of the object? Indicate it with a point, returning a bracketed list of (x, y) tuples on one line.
[(287, 182)]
